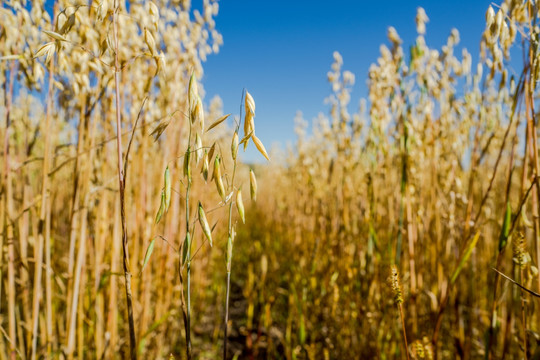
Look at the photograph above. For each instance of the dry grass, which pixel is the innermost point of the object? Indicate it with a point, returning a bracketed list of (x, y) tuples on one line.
[(431, 184)]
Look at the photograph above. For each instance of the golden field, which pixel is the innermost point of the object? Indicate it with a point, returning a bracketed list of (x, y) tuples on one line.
[(131, 227)]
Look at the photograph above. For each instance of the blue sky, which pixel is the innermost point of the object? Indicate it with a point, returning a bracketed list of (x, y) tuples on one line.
[(281, 51)]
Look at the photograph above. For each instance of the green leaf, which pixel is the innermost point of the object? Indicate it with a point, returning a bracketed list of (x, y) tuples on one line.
[(302, 330), (167, 189), (505, 231), (187, 245), (466, 255), (187, 167), (147, 255), (161, 207), (204, 224)]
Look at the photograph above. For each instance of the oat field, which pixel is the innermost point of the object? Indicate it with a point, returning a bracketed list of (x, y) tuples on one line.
[(132, 227)]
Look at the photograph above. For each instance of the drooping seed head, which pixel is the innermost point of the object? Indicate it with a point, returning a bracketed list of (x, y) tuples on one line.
[(490, 16), (253, 185), (154, 13), (240, 205), (204, 224), (193, 92), (150, 42), (197, 113), (234, 145), (249, 122), (217, 178), (161, 207), (211, 151), (187, 165), (186, 248), (198, 148), (258, 143), (249, 103), (204, 169)]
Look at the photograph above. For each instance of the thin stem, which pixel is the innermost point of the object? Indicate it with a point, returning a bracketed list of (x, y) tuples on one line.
[(188, 318), (404, 331), (226, 314), (187, 314), (230, 236), (7, 221), (45, 215), (523, 318), (121, 183)]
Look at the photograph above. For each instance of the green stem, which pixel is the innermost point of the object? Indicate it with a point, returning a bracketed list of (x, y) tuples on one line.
[(122, 187), (226, 315), (188, 252), (229, 261)]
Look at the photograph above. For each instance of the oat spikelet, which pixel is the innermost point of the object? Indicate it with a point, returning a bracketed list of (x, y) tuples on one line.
[(240, 205), (218, 121), (218, 180), (204, 169), (198, 148), (250, 103), (253, 185), (490, 16), (193, 92), (197, 113), (258, 143), (187, 166), (161, 207), (249, 122), (150, 42), (204, 224), (234, 145)]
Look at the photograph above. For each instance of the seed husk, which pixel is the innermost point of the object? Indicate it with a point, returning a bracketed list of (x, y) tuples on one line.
[(187, 167), (204, 224), (204, 169), (240, 205), (217, 122), (234, 145), (161, 207), (218, 180), (147, 255), (253, 185), (193, 92), (258, 143)]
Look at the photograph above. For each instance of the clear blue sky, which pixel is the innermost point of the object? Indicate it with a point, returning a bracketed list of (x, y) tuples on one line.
[(281, 51)]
